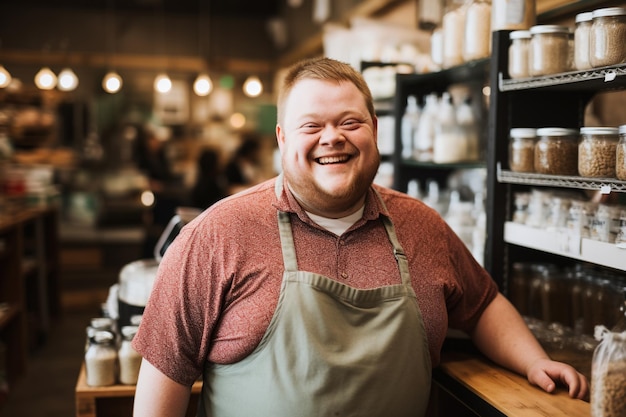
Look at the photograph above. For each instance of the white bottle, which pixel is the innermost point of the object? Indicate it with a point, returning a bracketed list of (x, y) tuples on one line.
[(410, 121), (450, 144), (469, 128), (129, 358), (425, 133)]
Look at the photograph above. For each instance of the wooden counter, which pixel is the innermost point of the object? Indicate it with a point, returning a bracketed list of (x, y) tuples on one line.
[(116, 400), (489, 390)]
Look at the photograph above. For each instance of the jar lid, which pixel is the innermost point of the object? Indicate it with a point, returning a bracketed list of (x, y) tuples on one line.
[(556, 131), (584, 17), (103, 337), (523, 132), (540, 29), (128, 332), (598, 131), (609, 11), (519, 34), (622, 130)]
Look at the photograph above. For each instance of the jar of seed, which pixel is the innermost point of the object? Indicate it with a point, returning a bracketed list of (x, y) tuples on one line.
[(129, 358), (620, 155), (581, 41), (556, 151), (549, 49), (606, 37), (518, 54), (521, 149), (597, 151), (101, 360)]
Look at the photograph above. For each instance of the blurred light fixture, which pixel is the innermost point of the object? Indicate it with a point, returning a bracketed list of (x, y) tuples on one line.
[(112, 82), (252, 87), (68, 80), (45, 79), (162, 83), (237, 120), (5, 77), (203, 85)]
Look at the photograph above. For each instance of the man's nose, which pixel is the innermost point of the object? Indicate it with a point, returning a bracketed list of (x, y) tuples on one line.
[(332, 135)]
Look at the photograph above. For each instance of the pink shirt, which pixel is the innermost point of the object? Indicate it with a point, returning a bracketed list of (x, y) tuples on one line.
[(218, 284)]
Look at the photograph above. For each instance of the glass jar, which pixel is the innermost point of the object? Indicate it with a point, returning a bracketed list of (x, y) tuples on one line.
[(596, 152), (512, 14), (620, 154), (581, 41), (129, 358), (101, 360), (521, 149), (518, 54), (620, 238), (548, 50), (477, 39), (453, 26), (554, 296), (520, 213), (556, 151), (606, 37)]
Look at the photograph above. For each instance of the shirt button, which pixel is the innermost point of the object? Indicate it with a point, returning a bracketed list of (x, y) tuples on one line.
[(344, 275), (342, 242)]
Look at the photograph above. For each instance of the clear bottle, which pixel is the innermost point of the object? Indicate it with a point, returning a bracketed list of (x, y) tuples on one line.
[(410, 121), (129, 358), (477, 39), (581, 41), (597, 151), (606, 37), (101, 360), (549, 50), (425, 133), (620, 154), (556, 151), (519, 66), (521, 149)]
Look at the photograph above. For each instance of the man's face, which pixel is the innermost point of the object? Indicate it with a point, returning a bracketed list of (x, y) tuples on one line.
[(327, 140)]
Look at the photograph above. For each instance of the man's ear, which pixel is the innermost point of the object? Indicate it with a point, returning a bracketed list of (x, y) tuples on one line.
[(280, 137)]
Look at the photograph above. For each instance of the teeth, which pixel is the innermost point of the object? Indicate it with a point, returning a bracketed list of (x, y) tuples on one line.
[(332, 159)]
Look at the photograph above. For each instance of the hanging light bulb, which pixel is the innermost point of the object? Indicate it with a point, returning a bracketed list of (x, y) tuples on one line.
[(68, 80), (253, 87), (5, 77), (45, 79), (203, 85), (162, 83), (112, 82)]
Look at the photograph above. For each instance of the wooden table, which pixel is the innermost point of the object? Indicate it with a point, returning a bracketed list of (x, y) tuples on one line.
[(489, 390), (116, 400)]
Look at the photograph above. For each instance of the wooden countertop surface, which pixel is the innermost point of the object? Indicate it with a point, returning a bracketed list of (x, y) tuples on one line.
[(491, 390)]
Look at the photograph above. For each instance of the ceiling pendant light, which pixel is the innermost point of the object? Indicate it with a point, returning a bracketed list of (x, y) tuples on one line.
[(5, 77), (162, 83), (252, 87), (203, 85), (45, 79), (68, 80), (112, 82)]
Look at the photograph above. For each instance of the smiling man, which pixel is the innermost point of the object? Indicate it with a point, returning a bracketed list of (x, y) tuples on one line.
[(318, 293)]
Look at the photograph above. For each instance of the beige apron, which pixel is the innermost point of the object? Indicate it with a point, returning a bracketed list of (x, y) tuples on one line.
[(330, 350)]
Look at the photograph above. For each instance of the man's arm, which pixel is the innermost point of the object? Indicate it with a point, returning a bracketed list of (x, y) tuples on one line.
[(159, 396), (503, 336)]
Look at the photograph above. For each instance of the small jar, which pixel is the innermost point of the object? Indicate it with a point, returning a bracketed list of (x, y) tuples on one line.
[(101, 360), (597, 151), (548, 50), (521, 149), (620, 155), (129, 358), (518, 54), (606, 37), (556, 151), (581, 41)]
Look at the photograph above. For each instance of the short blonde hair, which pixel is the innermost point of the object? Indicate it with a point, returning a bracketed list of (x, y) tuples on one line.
[(325, 69)]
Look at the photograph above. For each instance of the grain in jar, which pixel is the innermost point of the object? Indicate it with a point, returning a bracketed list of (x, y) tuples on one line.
[(101, 360), (512, 14), (581, 41), (521, 149), (620, 155), (556, 151), (129, 358), (453, 27), (607, 37), (597, 152), (477, 39), (548, 52), (518, 54)]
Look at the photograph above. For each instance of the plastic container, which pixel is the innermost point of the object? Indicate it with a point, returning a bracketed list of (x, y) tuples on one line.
[(556, 151), (549, 50), (521, 149), (607, 37), (620, 154), (597, 152), (581, 41), (518, 54)]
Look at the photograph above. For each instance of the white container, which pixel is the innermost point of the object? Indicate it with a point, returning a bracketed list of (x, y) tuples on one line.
[(519, 66), (477, 39), (512, 14)]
